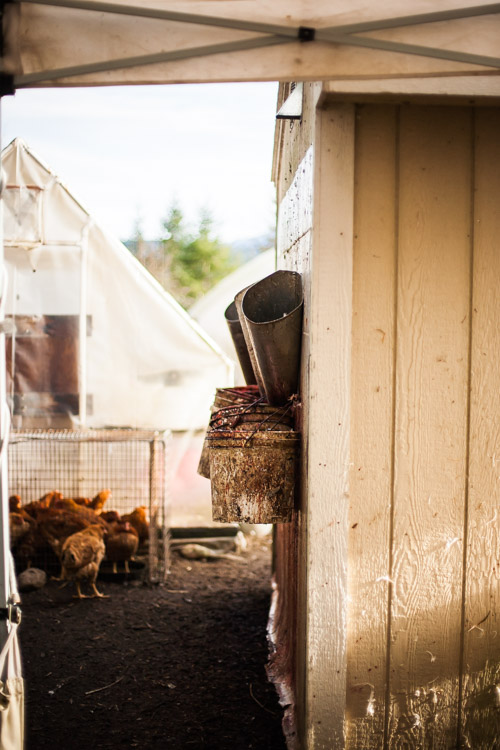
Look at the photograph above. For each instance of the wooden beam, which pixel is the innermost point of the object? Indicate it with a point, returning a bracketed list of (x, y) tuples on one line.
[(430, 425), (328, 427), (480, 720), (372, 433)]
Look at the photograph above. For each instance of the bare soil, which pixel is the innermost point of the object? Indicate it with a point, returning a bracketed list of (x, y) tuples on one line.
[(180, 665)]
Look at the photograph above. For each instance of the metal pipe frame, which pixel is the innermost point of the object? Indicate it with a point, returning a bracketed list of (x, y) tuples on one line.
[(275, 34)]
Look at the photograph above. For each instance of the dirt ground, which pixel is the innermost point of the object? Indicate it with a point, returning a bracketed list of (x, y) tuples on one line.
[(181, 665)]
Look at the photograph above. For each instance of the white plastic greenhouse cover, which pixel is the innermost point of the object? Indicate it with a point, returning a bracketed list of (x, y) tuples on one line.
[(143, 362), (81, 42), (209, 310)]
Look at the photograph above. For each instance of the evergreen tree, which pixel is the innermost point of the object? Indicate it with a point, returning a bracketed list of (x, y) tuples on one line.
[(195, 261)]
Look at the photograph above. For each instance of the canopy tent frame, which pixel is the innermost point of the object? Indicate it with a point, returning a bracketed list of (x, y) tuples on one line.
[(343, 35), (25, 81)]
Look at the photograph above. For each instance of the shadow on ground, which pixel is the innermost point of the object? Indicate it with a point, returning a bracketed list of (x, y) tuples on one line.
[(174, 666)]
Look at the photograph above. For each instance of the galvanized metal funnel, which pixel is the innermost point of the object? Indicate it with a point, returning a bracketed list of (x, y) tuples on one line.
[(234, 325), (272, 309), (238, 299)]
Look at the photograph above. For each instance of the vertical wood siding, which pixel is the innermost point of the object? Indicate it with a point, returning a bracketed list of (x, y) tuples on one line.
[(371, 423), (480, 704), (430, 424), (289, 604), (328, 427), (398, 632), (288, 660), (423, 641), (282, 626)]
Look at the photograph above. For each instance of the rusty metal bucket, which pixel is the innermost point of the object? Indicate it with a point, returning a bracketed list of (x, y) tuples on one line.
[(225, 397), (253, 478), (238, 299), (253, 416), (272, 309)]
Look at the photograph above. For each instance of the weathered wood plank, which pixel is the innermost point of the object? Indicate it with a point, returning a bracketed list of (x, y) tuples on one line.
[(328, 427), (294, 240), (451, 88), (431, 425), (480, 714), (371, 424)]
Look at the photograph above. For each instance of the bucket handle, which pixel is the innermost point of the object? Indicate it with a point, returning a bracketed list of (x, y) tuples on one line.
[(247, 407)]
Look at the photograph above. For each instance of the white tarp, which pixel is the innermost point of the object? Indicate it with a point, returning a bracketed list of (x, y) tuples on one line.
[(143, 361), (86, 42)]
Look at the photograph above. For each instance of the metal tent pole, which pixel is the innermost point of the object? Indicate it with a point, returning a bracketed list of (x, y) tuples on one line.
[(4, 495), (9, 599)]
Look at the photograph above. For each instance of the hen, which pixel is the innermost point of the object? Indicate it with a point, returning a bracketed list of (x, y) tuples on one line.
[(81, 557), (57, 524), (97, 503), (14, 504), (81, 511), (33, 547), (18, 527), (110, 516), (121, 544), (139, 521), (33, 508)]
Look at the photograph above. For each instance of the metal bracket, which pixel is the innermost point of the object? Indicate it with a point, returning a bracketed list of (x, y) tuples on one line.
[(7, 87), (291, 109), (306, 34)]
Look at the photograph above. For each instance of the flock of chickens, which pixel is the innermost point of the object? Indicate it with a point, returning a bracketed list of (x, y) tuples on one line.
[(78, 531)]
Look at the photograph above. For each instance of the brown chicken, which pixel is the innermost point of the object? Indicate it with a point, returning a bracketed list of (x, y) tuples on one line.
[(32, 548), (14, 504), (18, 527), (121, 544), (139, 521), (57, 524), (46, 501), (97, 503), (53, 518), (45, 533), (110, 516), (82, 501), (82, 511), (81, 557)]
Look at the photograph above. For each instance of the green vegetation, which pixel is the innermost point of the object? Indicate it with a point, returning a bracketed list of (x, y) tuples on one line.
[(197, 260), (186, 263)]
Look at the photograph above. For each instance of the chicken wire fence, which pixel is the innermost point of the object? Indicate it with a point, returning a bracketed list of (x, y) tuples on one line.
[(133, 464)]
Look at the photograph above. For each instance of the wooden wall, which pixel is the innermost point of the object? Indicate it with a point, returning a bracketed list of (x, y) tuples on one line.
[(288, 667), (423, 654), (401, 550)]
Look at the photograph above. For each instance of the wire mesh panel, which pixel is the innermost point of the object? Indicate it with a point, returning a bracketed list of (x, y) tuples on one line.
[(132, 464)]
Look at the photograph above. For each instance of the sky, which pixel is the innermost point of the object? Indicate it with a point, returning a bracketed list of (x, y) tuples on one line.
[(127, 153)]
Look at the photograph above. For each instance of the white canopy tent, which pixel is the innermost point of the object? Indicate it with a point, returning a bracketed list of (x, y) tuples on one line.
[(81, 42), (129, 354)]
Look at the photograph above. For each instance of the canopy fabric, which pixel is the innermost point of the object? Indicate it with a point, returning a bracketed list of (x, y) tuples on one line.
[(87, 43), (142, 361)]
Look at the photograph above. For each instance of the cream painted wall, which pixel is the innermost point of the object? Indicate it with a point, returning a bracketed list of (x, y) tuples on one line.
[(399, 535)]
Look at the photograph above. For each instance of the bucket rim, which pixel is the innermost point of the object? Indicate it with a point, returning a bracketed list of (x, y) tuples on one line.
[(286, 315), (231, 313), (265, 435)]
